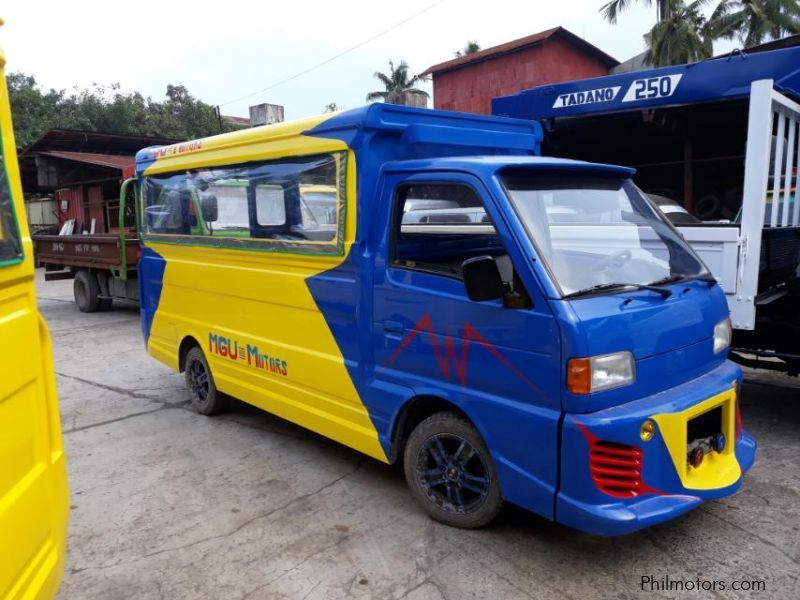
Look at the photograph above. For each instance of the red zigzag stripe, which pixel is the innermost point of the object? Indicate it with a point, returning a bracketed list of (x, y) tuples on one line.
[(447, 355)]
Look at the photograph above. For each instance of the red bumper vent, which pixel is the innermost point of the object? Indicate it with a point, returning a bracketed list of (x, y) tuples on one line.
[(616, 469)]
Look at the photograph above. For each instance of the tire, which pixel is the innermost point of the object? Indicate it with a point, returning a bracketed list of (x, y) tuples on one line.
[(206, 399), (450, 472), (86, 291), (707, 207)]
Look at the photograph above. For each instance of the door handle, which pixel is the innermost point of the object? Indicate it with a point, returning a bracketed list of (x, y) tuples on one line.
[(394, 327)]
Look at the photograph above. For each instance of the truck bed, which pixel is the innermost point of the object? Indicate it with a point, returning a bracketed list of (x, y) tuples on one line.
[(93, 251)]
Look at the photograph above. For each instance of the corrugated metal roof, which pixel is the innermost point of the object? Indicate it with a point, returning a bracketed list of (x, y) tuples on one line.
[(530, 40), (92, 141), (113, 161), (243, 121)]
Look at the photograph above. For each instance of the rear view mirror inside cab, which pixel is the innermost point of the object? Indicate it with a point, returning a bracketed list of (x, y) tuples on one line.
[(482, 279)]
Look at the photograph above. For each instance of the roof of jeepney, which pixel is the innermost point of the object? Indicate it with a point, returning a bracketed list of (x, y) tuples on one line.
[(413, 127)]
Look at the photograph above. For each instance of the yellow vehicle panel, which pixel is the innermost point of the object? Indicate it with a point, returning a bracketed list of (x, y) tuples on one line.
[(33, 479), (211, 293)]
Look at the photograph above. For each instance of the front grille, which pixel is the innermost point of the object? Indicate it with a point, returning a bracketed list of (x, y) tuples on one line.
[(616, 469), (704, 426)]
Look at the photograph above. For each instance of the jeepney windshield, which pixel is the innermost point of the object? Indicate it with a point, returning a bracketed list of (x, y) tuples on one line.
[(600, 234)]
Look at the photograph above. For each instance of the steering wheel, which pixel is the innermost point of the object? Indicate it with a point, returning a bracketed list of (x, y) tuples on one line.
[(606, 263)]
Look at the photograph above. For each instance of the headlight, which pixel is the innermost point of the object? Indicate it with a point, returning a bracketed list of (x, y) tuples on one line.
[(722, 335), (604, 372)]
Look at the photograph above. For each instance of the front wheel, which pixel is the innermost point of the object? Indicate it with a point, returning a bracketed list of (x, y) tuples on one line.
[(450, 472), (206, 399)]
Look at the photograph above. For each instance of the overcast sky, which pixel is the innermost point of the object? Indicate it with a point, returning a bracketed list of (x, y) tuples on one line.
[(224, 50)]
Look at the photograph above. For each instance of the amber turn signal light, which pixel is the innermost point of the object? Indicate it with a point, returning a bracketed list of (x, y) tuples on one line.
[(579, 375), (647, 431)]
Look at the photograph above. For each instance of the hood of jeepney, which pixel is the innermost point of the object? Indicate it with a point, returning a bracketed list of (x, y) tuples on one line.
[(671, 339)]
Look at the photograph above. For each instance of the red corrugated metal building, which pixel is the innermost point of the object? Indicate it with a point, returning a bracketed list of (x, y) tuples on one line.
[(468, 83), (82, 171)]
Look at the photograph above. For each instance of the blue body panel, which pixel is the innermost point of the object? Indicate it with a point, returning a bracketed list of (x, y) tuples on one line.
[(151, 280), (406, 335), (712, 80), (671, 339)]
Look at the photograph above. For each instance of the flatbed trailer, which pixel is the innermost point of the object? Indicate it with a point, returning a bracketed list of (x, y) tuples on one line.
[(103, 265), (721, 137)]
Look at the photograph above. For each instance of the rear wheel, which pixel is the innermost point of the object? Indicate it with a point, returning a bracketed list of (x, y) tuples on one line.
[(206, 399), (450, 472), (86, 291)]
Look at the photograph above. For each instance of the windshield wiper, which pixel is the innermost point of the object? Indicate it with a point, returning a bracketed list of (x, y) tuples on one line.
[(604, 287), (705, 278)]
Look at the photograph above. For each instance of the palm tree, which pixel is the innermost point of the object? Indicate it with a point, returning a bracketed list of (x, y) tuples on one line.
[(399, 87), (612, 9), (683, 37), (471, 48), (754, 21)]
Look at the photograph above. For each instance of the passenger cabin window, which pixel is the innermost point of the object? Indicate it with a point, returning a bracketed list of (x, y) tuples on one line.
[(294, 204), (439, 226)]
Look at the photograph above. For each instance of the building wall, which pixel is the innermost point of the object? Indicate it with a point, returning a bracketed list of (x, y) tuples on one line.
[(41, 212), (472, 87)]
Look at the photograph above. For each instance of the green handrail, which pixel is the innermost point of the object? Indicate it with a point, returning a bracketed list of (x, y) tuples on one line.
[(122, 271)]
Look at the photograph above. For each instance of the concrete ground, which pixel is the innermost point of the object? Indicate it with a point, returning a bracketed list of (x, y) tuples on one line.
[(169, 504)]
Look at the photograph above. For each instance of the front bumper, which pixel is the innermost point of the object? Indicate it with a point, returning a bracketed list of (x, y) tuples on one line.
[(667, 487)]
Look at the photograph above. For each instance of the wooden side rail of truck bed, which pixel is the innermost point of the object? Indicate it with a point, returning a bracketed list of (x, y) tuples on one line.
[(88, 251)]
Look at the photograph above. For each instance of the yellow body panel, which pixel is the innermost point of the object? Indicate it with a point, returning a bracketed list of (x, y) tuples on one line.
[(717, 470), (261, 300), (33, 479), (257, 143)]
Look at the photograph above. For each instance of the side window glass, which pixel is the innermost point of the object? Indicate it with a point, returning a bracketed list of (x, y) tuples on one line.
[(439, 226), (10, 246), (167, 205), (232, 216), (270, 205), (293, 204)]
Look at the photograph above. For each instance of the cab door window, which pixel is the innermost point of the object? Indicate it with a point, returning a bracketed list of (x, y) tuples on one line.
[(439, 226)]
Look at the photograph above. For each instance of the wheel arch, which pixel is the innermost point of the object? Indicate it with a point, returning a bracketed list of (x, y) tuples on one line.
[(187, 343), (415, 410)]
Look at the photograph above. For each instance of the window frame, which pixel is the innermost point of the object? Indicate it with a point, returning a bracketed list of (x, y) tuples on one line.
[(335, 247), (397, 218), (12, 250)]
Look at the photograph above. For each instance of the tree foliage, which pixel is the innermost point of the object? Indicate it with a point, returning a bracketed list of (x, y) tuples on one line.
[(612, 9), (682, 32), (107, 109), (756, 21), (471, 47), (399, 87), (682, 37)]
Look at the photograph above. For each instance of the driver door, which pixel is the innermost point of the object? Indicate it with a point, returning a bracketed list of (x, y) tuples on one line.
[(500, 365)]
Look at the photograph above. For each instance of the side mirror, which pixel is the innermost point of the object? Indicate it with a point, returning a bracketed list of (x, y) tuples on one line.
[(208, 206), (482, 279)]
